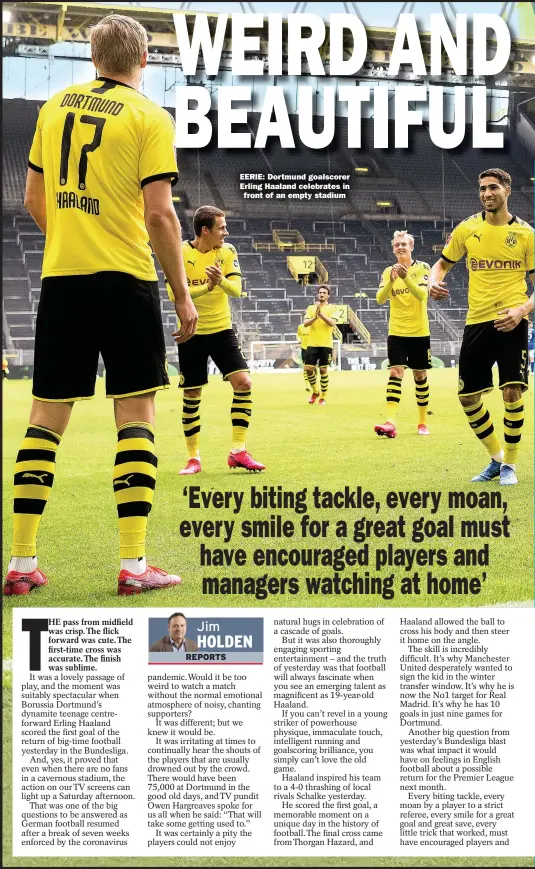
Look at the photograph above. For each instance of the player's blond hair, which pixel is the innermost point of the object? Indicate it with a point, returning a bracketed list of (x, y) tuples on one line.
[(118, 44), (399, 232)]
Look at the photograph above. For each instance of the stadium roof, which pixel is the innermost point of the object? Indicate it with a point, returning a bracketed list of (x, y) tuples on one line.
[(40, 24)]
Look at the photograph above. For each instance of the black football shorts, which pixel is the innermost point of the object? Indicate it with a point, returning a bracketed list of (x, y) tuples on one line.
[(111, 313), (412, 353), (321, 356), (482, 347), (222, 348)]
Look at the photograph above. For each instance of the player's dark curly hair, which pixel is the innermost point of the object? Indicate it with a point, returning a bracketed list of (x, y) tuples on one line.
[(205, 216), (323, 287), (500, 174)]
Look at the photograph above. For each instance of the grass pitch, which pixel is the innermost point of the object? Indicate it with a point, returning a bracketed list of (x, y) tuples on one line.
[(302, 446)]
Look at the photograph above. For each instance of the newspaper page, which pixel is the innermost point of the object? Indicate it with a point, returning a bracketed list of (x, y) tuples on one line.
[(338, 667)]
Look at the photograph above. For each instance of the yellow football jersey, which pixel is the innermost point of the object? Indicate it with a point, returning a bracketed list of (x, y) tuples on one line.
[(213, 307), (303, 335), (320, 334), (497, 259), (98, 144), (408, 316)]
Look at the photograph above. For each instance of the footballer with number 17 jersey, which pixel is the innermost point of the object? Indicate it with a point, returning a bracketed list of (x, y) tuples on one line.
[(98, 144), (98, 186)]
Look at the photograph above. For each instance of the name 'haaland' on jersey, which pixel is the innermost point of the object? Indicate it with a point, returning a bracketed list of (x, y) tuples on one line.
[(72, 200)]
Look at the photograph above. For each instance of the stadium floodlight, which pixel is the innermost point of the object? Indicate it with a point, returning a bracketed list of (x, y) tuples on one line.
[(361, 169), (383, 203), (6, 16)]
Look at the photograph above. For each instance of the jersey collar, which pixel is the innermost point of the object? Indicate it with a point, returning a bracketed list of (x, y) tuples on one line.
[(202, 252), (509, 222), (114, 81)]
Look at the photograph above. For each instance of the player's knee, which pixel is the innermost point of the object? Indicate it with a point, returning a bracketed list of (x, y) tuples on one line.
[(419, 376), (54, 416), (397, 372), (134, 408), (241, 381), (192, 393), (324, 369), (469, 400), (512, 393)]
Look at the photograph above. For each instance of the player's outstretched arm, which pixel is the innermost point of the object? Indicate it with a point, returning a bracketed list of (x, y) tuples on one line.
[(165, 235), (437, 286), (34, 198)]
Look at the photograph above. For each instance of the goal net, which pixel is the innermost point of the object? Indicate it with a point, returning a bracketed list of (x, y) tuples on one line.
[(284, 356)]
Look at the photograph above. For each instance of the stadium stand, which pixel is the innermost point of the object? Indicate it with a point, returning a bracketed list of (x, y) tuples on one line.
[(352, 237)]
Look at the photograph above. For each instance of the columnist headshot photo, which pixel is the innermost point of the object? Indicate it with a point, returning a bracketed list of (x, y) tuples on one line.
[(175, 639)]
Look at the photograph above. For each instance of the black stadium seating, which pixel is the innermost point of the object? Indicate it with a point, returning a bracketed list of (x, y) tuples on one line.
[(356, 231)]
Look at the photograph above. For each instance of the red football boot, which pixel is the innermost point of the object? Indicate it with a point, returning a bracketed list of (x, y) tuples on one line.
[(388, 429), (244, 460), (23, 583), (192, 466), (152, 579)]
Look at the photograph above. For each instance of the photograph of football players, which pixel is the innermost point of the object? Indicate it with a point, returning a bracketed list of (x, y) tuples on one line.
[(320, 323), (404, 285), (498, 247), (213, 275), (101, 167), (302, 336)]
